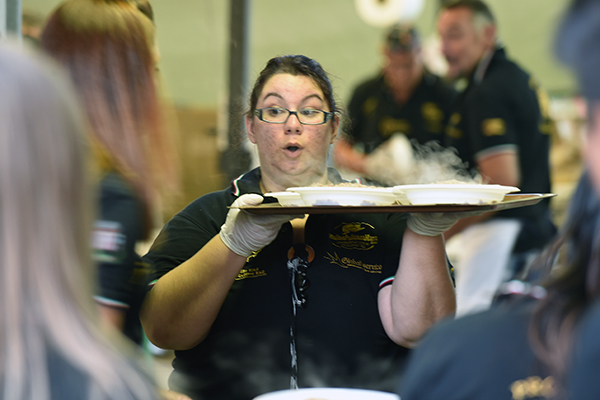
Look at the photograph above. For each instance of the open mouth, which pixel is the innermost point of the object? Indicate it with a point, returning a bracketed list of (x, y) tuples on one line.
[(292, 148)]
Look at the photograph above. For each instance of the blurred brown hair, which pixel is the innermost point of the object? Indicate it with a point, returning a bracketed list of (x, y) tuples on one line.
[(108, 48), (46, 276)]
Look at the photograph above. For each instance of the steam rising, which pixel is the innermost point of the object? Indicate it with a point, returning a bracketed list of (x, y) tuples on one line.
[(400, 162), (433, 163)]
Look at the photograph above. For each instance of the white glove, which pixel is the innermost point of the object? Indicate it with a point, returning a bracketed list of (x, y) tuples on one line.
[(244, 233), (433, 224)]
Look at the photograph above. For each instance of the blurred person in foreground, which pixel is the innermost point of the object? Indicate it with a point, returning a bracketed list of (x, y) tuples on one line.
[(519, 348), (108, 48), (51, 346), (501, 129), (541, 341), (403, 102), (257, 303), (578, 47)]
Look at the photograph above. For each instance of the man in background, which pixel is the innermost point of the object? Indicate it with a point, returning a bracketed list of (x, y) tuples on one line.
[(501, 129), (403, 101)]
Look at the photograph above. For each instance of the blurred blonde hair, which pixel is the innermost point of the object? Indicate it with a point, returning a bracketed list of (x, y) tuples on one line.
[(108, 48), (46, 274)]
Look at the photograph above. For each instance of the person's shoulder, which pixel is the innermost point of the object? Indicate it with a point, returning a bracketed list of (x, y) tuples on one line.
[(115, 184), (212, 203), (486, 325), (505, 74), (582, 381), (217, 203), (436, 85)]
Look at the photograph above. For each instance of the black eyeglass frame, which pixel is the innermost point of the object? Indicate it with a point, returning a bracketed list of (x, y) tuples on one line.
[(259, 113)]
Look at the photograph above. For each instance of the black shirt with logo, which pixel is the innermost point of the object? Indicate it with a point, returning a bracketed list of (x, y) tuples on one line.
[(503, 108), (375, 115), (340, 338), (583, 383), (482, 356), (122, 276)]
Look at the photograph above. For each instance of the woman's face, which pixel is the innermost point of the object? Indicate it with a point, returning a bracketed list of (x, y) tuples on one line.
[(291, 154)]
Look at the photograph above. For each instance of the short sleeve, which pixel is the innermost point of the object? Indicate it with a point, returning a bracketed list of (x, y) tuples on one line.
[(186, 233), (115, 234), (491, 123)]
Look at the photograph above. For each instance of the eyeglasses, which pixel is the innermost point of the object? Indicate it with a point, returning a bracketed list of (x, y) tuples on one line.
[(306, 116)]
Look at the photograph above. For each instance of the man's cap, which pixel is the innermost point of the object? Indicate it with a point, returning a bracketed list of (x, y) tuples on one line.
[(401, 38)]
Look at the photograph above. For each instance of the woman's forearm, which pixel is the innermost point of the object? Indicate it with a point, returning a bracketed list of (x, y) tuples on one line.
[(422, 292), (183, 304)]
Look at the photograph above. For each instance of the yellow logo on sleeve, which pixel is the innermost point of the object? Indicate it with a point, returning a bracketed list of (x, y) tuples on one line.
[(493, 127)]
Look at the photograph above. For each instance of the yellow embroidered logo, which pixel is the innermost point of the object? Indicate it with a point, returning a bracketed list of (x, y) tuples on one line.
[(389, 126), (354, 236), (370, 105), (451, 130), (493, 127), (250, 273), (455, 119), (346, 262), (534, 386), (433, 117), (432, 112)]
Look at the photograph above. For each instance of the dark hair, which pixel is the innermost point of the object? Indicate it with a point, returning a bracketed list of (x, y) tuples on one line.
[(577, 45), (477, 7), (401, 38), (294, 65), (574, 282)]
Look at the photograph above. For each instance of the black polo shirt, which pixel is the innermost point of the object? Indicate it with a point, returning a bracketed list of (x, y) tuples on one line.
[(583, 383), (122, 276), (482, 356), (340, 338), (504, 108), (374, 114)]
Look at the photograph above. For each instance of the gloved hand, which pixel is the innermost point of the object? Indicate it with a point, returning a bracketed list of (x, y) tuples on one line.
[(243, 233), (392, 163), (433, 224)]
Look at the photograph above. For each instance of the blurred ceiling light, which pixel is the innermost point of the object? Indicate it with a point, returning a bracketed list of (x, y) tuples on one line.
[(388, 12)]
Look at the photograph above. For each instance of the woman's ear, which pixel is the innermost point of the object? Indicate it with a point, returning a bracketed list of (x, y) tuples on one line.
[(250, 128), (335, 126)]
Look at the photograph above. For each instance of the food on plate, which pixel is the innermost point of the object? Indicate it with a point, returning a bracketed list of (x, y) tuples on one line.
[(343, 184)]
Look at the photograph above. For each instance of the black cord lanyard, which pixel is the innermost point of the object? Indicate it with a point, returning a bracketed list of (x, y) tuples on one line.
[(300, 256)]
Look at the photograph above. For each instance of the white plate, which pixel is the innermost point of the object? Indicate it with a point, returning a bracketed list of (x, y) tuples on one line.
[(287, 199), (345, 195), (328, 394), (453, 193)]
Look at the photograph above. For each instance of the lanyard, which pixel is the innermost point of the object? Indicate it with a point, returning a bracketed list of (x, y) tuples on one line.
[(300, 256)]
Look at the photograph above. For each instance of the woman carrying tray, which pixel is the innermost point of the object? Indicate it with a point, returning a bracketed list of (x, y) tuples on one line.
[(256, 303)]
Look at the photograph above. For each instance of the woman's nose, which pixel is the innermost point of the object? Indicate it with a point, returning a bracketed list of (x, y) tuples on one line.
[(293, 125)]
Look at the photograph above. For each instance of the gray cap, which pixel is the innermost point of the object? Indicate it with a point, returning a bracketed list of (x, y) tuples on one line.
[(401, 38)]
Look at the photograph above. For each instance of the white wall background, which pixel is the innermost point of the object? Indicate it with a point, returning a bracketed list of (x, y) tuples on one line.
[(192, 36)]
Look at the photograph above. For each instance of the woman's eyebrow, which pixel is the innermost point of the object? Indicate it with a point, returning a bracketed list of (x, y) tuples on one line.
[(275, 94), (311, 96), (272, 94)]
